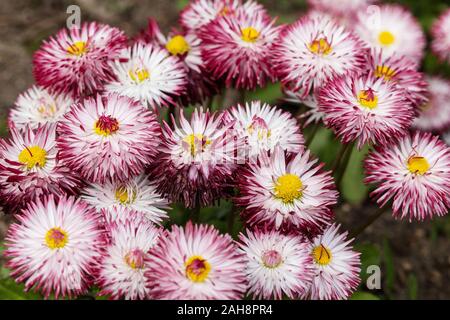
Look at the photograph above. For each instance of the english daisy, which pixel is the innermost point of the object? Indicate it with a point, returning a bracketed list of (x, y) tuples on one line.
[(286, 191), (150, 74), (110, 137), (54, 246), (196, 263), (138, 193), (36, 107), (365, 109), (441, 36), (76, 61), (277, 264), (336, 264), (415, 174)]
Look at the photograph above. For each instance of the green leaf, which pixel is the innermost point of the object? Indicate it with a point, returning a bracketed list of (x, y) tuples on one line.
[(370, 255), (269, 94), (413, 287), (362, 295), (353, 188), (389, 266)]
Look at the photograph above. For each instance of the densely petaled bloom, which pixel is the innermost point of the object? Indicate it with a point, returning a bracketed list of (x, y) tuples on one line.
[(286, 191), (237, 48), (36, 107), (29, 166), (366, 109), (342, 8), (54, 246), (110, 137), (277, 264), (124, 260), (138, 193), (262, 127), (393, 29), (313, 51), (196, 159), (76, 61), (337, 266), (312, 115), (196, 262), (435, 115), (150, 74), (441, 36), (415, 173)]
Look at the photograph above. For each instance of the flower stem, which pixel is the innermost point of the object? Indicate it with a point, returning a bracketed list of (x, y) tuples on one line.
[(344, 165), (231, 219), (313, 134), (339, 156), (369, 221)]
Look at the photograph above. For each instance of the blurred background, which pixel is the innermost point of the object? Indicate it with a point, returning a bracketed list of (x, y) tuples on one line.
[(414, 257)]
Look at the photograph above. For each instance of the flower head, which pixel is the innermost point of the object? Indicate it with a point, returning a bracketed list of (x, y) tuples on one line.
[(343, 8), (441, 36)]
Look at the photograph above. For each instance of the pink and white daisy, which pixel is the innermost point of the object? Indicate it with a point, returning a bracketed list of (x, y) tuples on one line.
[(394, 30), (148, 73), (342, 8), (36, 107), (196, 263), (108, 138), (138, 193), (30, 167), (124, 260), (76, 61), (415, 174), (286, 192), (337, 266), (196, 159), (314, 50), (366, 109), (277, 264), (441, 36), (54, 246)]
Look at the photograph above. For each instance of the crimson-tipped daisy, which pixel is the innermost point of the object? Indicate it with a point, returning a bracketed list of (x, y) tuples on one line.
[(124, 262), (366, 109), (337, 266), (196, 159), (36, 107), (196, 263), (286, 191), (441, 36), (277, 264), (30, 167), (138, 193), (108, 138), (54, 246), (314, 50), (394, 30), (76, 61), (415, 174), (150, 74)]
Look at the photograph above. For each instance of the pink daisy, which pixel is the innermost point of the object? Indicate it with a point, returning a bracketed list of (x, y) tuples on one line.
[(440, 32)]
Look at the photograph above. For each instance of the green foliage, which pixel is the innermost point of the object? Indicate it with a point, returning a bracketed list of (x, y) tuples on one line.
[(353, 189), (389, 268), (363, 295)]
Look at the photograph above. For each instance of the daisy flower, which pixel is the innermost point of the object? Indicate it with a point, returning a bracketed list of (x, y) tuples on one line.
[(76, 61), (337, 266), (238, 49), (343, 8), (138, 193), (435, 115), (262, 127), (54, 246), (196, 263), (150, 74), (30, 167), (314, 50), (36, 107), (312, 115), (196, 159), (277, 264), (365, 109), (110, 137), (441, 36), (286, 191), (394, 30), (124, 260), (415, 174)]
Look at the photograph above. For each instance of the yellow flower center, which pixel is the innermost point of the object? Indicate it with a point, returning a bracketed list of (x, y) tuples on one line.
[(386, 38), (272, 259), (288, 188), (56, 238), (384, 72), (197, 269), (249, 34), (368, 99), (123, 196), (418, 165), (196, 143), (135, 259), (320, 46), (106, 125), (225, 11), (47, 110), (321, 255), (78, 48), (139, 75), (32, 157), (261, 128), (178, 45)]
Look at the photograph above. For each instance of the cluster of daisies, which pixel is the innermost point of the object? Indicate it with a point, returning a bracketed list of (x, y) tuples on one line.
[(90, 169)]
